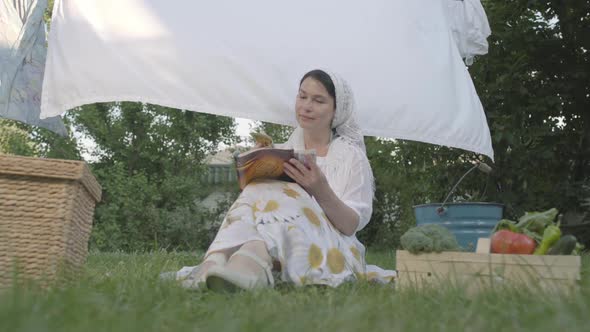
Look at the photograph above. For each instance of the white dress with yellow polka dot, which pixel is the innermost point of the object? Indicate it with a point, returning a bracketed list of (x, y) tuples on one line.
[(296, 231)]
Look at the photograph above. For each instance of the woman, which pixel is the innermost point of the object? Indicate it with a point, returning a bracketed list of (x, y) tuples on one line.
[(304, 232)]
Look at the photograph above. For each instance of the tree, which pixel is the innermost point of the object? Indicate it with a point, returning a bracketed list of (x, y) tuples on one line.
[(534, 86), (149, 161), (534, 78), (14, 139), (279, 133), (409, 173)]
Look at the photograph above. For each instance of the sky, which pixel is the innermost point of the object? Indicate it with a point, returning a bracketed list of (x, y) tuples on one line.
[(243, 127)]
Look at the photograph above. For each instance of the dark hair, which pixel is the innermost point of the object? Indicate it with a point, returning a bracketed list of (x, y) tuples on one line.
[(322, 77)]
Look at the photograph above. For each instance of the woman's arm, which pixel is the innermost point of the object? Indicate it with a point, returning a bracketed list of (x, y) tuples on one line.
[(344, 218)]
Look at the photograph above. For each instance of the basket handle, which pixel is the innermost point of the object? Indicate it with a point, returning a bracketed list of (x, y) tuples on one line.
[(483, 167)]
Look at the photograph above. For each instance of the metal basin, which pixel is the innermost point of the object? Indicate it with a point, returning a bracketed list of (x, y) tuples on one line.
[(467, 221)]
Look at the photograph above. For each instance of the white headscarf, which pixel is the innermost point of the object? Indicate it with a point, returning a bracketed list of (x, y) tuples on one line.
[(344, 123)]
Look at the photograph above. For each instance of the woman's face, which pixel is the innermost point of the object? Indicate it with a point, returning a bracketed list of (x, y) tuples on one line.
[(314, 106)]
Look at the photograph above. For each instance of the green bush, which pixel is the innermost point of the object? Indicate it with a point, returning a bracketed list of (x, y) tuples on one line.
[(137, 214)]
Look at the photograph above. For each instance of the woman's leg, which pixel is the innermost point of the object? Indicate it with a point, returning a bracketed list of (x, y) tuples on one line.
[(248, 268), (218, 257), (240, 263), (213, 258)]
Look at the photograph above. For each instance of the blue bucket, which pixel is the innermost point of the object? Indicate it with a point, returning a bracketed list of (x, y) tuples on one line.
[(467, 221)]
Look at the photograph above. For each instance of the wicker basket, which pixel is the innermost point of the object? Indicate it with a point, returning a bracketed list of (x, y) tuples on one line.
[(46, 211)]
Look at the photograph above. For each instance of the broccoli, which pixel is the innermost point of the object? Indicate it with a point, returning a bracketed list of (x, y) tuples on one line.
[(429, 238)]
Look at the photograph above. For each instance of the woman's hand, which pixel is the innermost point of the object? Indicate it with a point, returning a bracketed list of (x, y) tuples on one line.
[(311, 178)]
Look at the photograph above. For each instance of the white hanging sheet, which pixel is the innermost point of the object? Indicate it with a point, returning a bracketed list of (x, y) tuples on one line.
[(245, 58), (22, 62), (470, 27)]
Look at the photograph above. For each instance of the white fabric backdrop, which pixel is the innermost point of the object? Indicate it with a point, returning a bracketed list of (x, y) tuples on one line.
[(245, 58), (22, 61), (470, 27)]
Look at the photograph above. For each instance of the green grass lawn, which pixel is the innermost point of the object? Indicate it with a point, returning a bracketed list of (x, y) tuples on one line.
[(122, 292)]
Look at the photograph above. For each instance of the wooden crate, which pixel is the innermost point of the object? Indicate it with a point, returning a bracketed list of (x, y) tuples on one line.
[(46, 212), (477, 271)]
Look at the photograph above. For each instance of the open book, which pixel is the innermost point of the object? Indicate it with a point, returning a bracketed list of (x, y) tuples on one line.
[(267, 163)]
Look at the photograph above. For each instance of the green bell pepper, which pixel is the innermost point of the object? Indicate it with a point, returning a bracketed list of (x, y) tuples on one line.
[(551, 235)]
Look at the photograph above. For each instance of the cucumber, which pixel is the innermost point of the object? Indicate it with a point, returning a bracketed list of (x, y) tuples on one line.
[(564, 246)]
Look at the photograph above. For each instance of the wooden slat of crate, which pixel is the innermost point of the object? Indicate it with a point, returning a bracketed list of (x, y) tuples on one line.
[(473, 284), (551, 260), (509, 268), (476, 269)]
